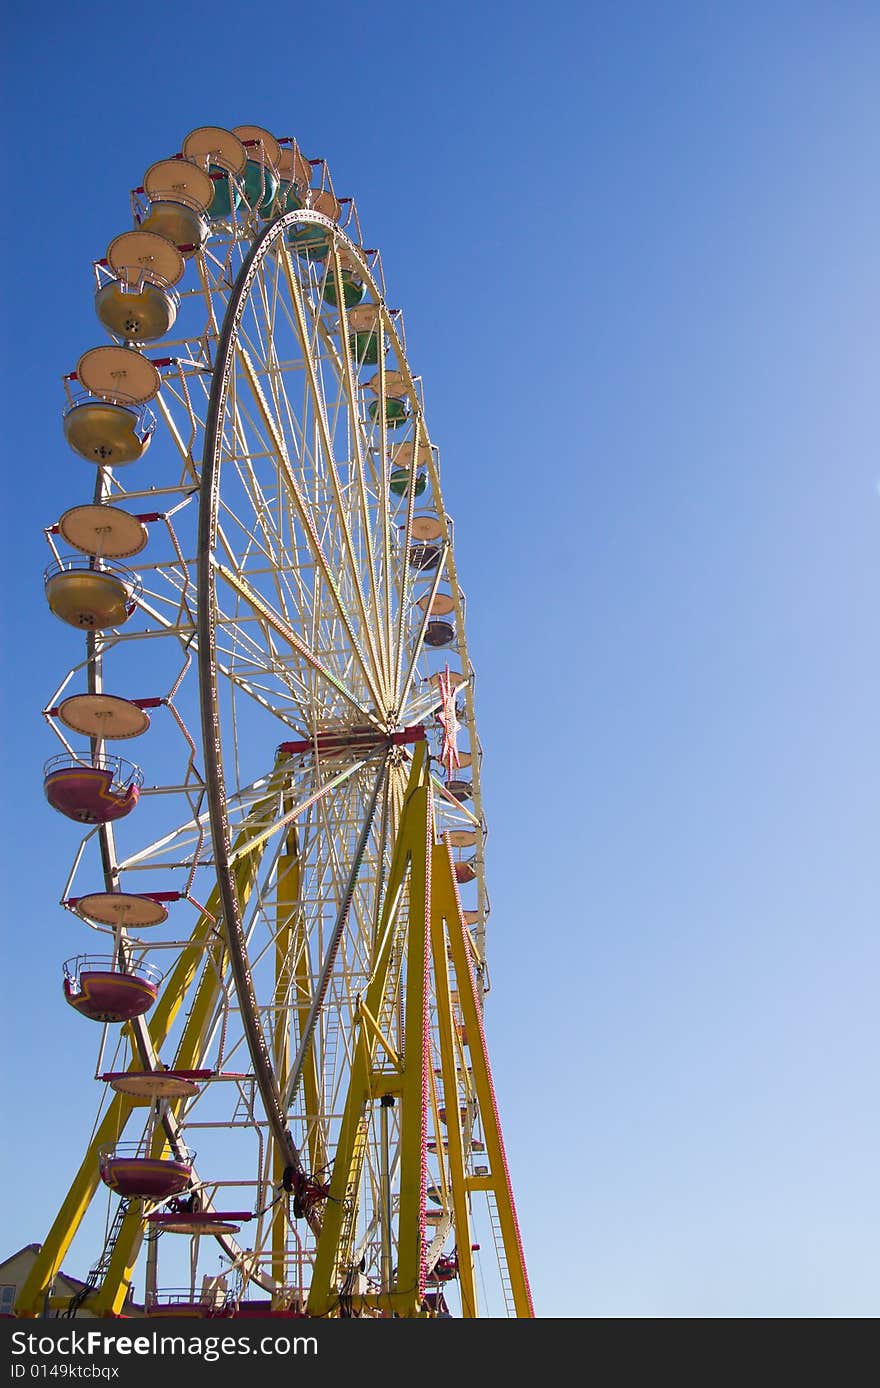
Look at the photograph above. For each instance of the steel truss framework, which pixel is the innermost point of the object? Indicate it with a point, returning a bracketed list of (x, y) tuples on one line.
[(322, 978)]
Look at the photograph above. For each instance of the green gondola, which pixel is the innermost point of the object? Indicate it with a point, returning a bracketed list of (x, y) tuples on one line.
[(395, 412), (353, 289), (399, 483), (364, 348), (311, 241), (226, 194), (260, 185)]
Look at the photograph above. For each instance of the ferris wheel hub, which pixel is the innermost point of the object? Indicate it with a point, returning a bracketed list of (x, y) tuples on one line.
[(338, 742)]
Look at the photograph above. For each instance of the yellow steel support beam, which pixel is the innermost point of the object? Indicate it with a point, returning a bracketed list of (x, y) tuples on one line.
[(448, 1065), (446, 906), (416, 1061), (378, 1034), (335, 1243)]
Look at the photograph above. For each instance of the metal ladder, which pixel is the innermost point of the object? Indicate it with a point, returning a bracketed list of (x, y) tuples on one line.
[(350, 1199), (99, 1271), (332, 1028), (498, 1237)]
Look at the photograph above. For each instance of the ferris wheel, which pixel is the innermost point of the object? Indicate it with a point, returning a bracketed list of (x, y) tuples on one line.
[(279, 889)]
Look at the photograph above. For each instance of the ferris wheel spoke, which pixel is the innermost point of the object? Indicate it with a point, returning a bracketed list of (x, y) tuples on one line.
[(282, 820), (306, 519), (258, 562), (418, 644), (319, 407), (359, 444), (383, 490), (242, 589), (332, 947), (275, 685), (266, 537), (277, 325), (405, 578)]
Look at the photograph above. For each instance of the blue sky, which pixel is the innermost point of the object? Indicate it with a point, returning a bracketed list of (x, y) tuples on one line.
[(636, 248)]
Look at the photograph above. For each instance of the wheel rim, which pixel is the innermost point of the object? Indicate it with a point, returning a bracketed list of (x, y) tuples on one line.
[(368, 682)]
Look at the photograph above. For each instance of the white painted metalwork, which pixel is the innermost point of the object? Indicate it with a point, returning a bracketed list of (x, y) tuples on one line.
[(298, 573)]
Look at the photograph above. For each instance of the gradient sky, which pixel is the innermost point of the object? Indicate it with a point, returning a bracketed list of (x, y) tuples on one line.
[(637, 247)]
